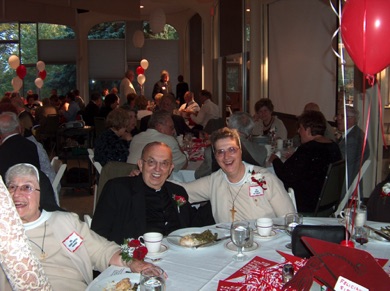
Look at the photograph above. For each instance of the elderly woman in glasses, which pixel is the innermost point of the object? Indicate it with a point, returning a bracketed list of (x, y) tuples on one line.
[(66, 247), (132, 206), (238, 191)]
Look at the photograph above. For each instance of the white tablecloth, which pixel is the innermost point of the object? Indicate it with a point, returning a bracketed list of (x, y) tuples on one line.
[(201, 269)]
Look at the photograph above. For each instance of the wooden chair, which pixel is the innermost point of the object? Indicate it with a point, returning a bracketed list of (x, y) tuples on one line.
[(47, 132), (332, 190)]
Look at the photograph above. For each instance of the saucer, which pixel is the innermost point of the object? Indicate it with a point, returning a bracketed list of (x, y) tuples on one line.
[(271, 236), (232, 247), (163, 249)]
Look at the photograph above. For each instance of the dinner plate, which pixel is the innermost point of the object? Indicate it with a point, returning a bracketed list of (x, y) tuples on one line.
[(163, 249), (175, 236), (232, 247), (273, 235), (108, 283)]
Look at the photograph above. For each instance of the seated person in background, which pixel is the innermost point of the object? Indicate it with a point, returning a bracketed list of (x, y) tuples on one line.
[(131, 206), (305, 169), (113, 143), (238, 191), (92, 109), (70, 114), (141, 104), (329, 131), (379, 201), (68, 265), (209, 110), (351, 146), (131, 101), (168, 104), (190, 106), (111, 101), (161, 129), (252, 153), (266, 123)]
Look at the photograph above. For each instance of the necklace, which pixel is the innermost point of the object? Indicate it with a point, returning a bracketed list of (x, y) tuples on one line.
[(271, 121), (43, 254), (233, 210)]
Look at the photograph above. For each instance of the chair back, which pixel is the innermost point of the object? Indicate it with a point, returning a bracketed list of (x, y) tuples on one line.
[(49, 125), (291, 193), (59, 168), (331, 190), (214, 124), (100, 125)]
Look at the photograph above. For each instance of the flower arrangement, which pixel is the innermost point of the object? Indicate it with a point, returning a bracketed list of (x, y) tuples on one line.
[(180, 201), (385, 191), (133, 249), (258, 178)]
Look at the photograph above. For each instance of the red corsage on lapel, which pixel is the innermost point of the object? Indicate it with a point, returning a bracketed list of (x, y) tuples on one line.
[(180, 201)]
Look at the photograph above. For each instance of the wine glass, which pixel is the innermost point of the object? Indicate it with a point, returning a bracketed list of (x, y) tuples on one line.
[(240, 234), (291, 220), (361, 235)]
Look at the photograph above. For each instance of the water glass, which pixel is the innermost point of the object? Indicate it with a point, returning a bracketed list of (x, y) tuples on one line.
[(291, 220), (240, 235), (361, 215), (152, 279)]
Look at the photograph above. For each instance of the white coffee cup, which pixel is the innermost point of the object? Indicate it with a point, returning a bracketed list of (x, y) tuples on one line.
[(346, 213), (152, 241), (264, 226)]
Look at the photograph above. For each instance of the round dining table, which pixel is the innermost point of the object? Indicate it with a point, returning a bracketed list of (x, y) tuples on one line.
[(203, 268)]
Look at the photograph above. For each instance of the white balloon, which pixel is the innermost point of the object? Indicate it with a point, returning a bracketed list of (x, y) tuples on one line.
[(38, 82), (17, 83), (144, 64), (157, 20), (40, 66), (141, 79), (138, 39), (14, 62)]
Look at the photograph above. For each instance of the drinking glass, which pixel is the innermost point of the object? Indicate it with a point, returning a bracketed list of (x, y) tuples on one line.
[(291, 220), (152, 279), (361, 235), (240, 235)]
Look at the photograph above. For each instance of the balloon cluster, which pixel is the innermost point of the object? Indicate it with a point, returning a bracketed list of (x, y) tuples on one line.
[(365, 30), (14, 63), (41, 74), (144, 64), (21, 72)]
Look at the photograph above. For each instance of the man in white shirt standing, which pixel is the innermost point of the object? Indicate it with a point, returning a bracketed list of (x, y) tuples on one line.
[(126, 87), (209, 109)]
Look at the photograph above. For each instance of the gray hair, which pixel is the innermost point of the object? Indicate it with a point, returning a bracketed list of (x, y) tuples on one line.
[(243, 122), (9, 123), (23, 170), (159, 117), (352, 112)]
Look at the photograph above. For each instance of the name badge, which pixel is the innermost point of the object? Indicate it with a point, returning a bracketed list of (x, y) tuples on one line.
[(73, 242), (256, 191)]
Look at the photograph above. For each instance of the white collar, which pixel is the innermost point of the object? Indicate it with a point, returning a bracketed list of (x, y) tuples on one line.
[(248, 169), (11, 135), (44, 217)]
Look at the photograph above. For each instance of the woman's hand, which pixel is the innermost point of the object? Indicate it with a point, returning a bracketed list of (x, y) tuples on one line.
[(137, 266)]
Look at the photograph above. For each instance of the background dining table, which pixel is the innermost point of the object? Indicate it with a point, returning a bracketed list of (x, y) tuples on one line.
[(203, 268)]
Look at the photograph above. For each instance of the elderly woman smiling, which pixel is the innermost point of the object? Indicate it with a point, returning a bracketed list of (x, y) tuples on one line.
[(67, 248)]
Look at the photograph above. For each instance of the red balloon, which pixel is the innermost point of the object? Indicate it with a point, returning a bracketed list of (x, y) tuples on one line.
[(140, 70), (365, 30), (21, 71), (42, 75)]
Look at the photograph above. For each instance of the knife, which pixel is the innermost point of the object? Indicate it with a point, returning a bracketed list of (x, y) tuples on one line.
[(378, 232), (211, 242)]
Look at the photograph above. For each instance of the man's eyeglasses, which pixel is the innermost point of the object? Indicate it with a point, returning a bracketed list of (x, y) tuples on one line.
[(230, 151), (153, 163), (26, 188)]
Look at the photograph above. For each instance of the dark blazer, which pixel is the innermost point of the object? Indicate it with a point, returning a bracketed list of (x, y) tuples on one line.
[(120, 212), (90, 112), (163, 88), (181, 126), (352, 152), (181, 89), (15, 150)]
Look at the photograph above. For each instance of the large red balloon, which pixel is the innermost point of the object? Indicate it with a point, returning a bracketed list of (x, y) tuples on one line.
[(140, 70), (21, 71), (42, 74), (365, 30)]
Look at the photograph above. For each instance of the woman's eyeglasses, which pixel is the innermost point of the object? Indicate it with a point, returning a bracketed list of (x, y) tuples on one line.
[(26, 188), (230, 151)]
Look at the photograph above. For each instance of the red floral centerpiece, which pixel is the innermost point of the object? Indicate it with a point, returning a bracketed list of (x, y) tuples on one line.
[(133, 249)]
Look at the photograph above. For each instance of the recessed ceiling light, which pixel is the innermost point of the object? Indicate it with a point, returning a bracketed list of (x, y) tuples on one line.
[(248, 10), (141, 6)]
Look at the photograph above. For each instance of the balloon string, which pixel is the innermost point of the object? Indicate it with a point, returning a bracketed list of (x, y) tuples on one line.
[(381, 115)]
